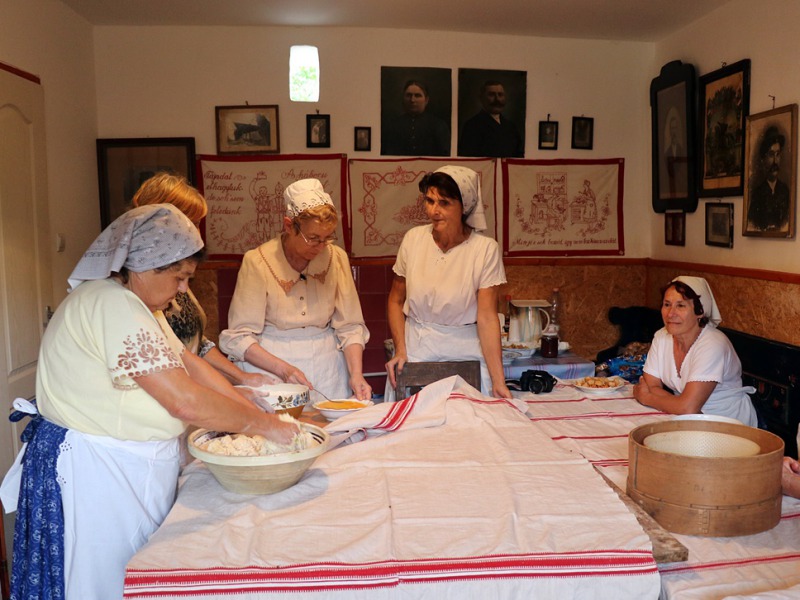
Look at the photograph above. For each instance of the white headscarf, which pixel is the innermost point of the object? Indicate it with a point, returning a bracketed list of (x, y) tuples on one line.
[(701, 288), (469, 184), (304, 194), (144, 238)]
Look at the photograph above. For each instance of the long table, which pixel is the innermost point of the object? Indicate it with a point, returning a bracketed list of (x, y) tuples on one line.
[(458, 496), (449, 495)]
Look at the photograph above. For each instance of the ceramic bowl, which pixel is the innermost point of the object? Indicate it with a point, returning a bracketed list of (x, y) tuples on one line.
[(325, 407), (259, 474)]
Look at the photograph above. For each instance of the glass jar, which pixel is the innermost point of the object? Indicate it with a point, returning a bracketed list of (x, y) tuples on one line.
[(549, 344)]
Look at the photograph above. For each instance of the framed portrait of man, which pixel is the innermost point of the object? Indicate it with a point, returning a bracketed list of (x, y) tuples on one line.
[(416, 111), (491, 113), (770, 179), (672, 101)]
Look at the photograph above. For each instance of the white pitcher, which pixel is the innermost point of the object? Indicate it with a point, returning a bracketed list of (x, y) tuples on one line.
[(526, 320)]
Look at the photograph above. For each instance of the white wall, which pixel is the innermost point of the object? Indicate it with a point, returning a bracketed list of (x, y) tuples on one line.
[(166, 81), (46, 38), (767, 33)]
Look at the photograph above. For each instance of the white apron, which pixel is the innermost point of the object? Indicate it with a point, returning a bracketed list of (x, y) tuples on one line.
[(431, 342), (314, 351)]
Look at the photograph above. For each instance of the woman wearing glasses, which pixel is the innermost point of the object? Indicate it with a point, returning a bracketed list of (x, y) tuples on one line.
[(295, 312)]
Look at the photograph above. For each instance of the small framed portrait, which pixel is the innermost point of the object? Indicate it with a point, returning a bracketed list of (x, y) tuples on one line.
[(770, 180), (719, 224), (675, 228), (247, 129), (548, 135), (724, 104), (672, 102), (318, 131), (362, 139), (124, 164), (582, 133)]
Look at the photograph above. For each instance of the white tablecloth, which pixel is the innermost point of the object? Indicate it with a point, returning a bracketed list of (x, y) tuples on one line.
[(459, 496), (567, 365), (763, 566)]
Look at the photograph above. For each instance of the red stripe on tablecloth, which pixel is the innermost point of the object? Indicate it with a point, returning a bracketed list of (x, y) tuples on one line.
[(397, 414), (593, 416), (537, 401), (724, 564), (341, 576)]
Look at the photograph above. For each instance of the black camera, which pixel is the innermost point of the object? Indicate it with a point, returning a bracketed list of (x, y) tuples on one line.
[(537, 382)]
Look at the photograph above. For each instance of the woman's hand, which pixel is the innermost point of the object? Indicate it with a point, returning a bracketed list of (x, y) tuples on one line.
[(641, 390), (281, 432), (291, 374), (395, 366), (361, 389), (256, 380), (500, 390), (790, 477)]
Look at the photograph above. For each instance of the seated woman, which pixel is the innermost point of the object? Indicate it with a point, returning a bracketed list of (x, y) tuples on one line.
[(443, 301), (295, 311), (184, 314), (692, 357), (115, 391)]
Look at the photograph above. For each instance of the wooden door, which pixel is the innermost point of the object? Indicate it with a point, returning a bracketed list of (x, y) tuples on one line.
[(25, 279)]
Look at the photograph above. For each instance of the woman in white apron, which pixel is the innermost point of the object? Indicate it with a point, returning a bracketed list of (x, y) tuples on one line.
[(690, 356), (115, 390), (295, 312), (443, 301)]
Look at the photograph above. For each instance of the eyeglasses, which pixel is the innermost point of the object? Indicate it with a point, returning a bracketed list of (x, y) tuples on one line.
[(315, 241)]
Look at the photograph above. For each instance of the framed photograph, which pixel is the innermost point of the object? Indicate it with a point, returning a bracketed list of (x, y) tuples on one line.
[(123, 164), (724, 104), (362, 139), (582, 133), (672, 110), (719, 224), (675, 228), (548, 135), (247, 129), (770, 180), (492, 100), (318, 131), (416, 111)]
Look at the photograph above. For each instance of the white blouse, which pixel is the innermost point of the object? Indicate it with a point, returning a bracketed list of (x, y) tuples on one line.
[(442, 287), (269, 292)]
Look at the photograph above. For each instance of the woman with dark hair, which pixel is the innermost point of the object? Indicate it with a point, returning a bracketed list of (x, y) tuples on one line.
[(690, 356), (443, 301)]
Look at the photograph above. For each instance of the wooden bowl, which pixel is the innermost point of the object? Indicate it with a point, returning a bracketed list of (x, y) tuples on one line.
[(260, 474)]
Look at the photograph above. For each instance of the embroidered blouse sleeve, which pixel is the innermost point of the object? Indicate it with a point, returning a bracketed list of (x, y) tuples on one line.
[(134, 343), (248, 308), (347, 319)]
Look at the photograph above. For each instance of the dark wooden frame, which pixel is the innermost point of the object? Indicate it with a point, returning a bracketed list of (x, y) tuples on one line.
[(784, 119), (673, 98), (248, 136), (577, 142), (675, 228), (548, 142), (719, 224), (123, 164), (357, 145), (724, 104), (324, 123)]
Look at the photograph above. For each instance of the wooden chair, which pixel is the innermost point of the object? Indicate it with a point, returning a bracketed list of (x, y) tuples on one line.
[(417, 375)]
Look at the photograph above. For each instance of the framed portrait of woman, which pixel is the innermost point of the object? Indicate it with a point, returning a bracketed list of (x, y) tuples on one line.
[(672, 102)]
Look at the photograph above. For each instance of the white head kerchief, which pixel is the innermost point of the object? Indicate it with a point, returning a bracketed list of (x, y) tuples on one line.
[(702, 289), (304, 194), (469, 184), (144, 238)]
